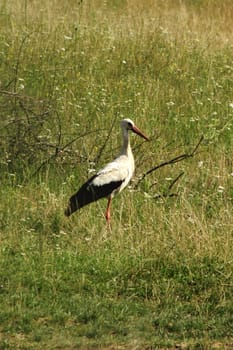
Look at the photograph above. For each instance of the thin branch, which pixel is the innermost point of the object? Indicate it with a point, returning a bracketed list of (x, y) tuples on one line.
[(61, 149), (20, 96), (175, 181), (171, 161), (167, 193), (96, 159), (59, 134), (17, 64), (79, 137)]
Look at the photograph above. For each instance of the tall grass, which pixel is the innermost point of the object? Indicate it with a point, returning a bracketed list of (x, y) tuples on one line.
[(162, 277)]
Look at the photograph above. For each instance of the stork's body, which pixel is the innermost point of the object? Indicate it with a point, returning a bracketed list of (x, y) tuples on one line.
[(110, 180)]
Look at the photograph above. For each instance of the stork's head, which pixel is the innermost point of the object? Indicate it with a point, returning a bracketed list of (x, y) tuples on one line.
[(127, 124)]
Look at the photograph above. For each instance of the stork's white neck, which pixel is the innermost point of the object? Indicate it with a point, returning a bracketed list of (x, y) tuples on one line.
[(126, 148), (127, 151)]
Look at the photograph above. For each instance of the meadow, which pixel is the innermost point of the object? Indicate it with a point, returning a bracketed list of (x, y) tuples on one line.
[(161, 278)]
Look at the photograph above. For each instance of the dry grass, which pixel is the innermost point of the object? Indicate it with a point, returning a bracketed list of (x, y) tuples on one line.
[(209, 23)]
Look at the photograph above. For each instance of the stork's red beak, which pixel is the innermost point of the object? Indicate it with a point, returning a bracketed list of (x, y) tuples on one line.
[(138, 132)]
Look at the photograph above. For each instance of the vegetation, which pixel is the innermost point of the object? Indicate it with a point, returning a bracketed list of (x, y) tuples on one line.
[(162, 277)]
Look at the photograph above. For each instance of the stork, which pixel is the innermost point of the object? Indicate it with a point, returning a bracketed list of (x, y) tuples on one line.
[(110, 180)]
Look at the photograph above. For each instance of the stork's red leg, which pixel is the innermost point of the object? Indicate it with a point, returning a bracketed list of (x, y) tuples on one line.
[(107, 214)]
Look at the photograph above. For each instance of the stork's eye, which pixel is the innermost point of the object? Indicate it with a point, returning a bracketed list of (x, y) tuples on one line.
[(129, 125)]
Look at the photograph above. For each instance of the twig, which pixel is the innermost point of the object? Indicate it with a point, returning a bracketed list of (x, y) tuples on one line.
[(61, 149), (19, 95), (175, 181), (171, 161), (96, 159), (17, 64), (167, 194), (59, 134)]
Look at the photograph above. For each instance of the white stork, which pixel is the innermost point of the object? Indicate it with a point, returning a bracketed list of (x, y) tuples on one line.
[(110, 180)]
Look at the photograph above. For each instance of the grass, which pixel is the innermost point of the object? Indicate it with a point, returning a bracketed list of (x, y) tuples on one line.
[(162, 277)]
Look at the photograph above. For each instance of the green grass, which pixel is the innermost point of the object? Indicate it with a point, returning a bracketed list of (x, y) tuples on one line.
[(162, 277)]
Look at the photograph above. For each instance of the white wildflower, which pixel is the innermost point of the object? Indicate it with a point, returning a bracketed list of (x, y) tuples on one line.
[(66, 37), (220, 189), (170, 103)]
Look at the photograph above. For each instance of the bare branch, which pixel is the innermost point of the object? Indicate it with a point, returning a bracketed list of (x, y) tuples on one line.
[(17, 64), (62, 149), (175, 181), (171, 161), (96, 160), (167, 193)]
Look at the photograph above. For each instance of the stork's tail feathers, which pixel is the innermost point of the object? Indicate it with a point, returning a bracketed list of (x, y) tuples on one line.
[(81, 198), (68, 210), (72, 206)]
